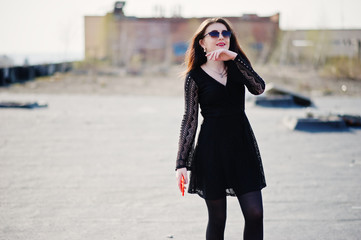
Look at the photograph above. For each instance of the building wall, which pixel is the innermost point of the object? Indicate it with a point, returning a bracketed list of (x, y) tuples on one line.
[(136, 42), (316, 46), (95, 44), (257, 36)]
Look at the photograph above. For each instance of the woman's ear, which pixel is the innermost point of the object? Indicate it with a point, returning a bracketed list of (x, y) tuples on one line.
[(201, 43)]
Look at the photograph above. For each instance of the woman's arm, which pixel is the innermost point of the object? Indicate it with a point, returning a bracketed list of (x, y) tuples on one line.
[(188, 130), (189, 124), (252, 80)]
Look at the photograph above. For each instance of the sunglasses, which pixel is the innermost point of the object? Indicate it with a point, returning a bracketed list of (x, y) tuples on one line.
[(215, 34)]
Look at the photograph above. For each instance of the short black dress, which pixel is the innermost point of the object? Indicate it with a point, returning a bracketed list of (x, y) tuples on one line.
[(226, 159)]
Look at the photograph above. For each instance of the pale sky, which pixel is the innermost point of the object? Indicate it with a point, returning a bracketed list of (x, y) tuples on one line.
[(30, 27)]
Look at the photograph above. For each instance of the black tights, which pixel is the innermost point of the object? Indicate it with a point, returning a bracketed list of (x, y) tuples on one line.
[(251, 205)]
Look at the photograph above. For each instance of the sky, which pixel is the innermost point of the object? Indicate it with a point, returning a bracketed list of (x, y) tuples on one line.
[(56, 28)]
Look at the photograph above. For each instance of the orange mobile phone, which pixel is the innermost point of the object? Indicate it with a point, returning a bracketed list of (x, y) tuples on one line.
[(182, 185)]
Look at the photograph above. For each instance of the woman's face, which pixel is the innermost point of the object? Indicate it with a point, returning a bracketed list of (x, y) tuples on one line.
[(211, 43)]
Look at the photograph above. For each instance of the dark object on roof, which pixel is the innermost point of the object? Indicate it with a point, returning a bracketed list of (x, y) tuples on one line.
[(323, 122), (30, 105), (118, 8), (351, 120), (275, 101), (316, 124), (276, 96)]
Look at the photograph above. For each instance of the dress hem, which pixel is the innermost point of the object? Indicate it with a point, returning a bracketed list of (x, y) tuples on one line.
[(228, 193)]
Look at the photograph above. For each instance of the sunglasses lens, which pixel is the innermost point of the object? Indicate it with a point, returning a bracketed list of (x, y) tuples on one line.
[(214, 34), (226, 33)]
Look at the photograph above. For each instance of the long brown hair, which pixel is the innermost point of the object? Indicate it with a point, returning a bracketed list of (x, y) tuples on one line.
[(195, 56)]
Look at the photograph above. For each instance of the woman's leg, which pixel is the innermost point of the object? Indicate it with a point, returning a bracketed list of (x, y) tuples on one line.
[(251, 205), (217, 213)]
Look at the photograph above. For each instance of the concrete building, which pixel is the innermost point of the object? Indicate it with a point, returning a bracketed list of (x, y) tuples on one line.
[(316, 46), (133, 42)]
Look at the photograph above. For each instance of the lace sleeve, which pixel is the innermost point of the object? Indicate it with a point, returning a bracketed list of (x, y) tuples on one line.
[(189, 124), (253, 81)]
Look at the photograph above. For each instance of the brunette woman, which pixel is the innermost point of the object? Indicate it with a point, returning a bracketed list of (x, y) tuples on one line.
[(226, 160)]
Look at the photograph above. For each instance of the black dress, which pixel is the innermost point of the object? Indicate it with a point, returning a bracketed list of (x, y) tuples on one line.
[(226, 159)]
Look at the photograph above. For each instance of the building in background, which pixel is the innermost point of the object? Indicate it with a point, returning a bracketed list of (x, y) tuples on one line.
[(316, 47), (143, 43), (133, 42)]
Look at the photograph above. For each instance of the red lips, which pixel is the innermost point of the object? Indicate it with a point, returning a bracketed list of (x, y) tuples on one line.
[(221, 44)]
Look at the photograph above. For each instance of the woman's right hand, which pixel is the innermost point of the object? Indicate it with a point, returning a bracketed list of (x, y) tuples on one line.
[(221, 55), (179, 174)]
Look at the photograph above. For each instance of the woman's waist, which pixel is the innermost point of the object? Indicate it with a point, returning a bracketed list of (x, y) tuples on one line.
[(222, 114)]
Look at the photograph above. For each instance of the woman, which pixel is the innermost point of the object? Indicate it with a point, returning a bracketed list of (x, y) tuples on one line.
[(226, 160)]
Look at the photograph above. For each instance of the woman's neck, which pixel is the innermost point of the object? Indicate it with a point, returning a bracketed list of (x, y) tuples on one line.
[(215, 65)]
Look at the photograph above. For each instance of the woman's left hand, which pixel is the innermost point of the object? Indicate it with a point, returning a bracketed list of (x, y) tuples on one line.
[(221, 55)]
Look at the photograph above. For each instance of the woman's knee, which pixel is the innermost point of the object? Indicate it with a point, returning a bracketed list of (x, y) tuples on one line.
[(254, 215), (221, 218), (251, 205), (217, 211), (218, 217)]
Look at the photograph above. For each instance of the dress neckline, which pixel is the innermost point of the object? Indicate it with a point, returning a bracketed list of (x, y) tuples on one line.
[(224, 85)]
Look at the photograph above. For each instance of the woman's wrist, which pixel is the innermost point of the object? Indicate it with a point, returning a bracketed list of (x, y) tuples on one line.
[(234, 55), (237, 56)]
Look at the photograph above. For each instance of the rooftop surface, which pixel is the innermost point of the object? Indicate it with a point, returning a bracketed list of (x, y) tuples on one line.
[(102, 167)]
